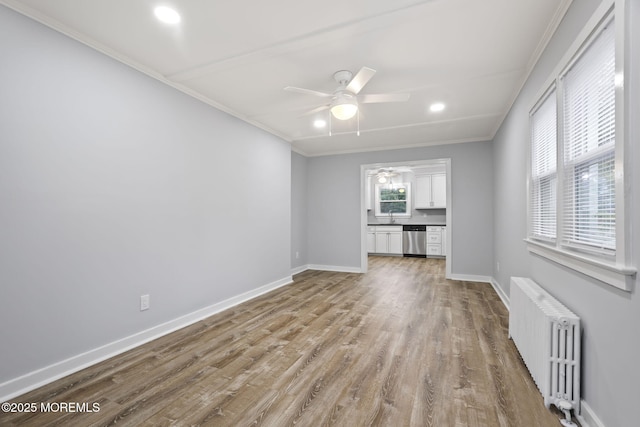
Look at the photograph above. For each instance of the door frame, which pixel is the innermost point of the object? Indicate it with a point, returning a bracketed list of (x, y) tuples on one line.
[(364, 263)]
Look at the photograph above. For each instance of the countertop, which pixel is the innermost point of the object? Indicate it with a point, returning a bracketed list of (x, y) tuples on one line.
[(434, 224)]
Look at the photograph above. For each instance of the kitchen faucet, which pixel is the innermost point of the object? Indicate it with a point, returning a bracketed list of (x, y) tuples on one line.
[(391, 220)]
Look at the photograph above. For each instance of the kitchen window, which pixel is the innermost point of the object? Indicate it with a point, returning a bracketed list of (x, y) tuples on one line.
[(393, 200), (576, 191)]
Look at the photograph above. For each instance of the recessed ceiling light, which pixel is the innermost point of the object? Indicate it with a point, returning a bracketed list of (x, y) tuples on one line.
[(320, 123), (438, 106), (167, 15)]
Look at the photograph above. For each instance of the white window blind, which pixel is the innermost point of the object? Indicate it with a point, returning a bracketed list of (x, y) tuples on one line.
[(588, 118), (578, 213), (543, 182)]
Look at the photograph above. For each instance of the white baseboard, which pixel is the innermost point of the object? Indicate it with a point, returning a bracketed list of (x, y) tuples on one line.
[(470, 278), (587, 417), (300, 269), (338, 268), (500, 292), (25, 383)]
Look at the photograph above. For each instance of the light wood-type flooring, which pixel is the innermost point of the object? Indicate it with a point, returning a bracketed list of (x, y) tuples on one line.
[(397, 346)]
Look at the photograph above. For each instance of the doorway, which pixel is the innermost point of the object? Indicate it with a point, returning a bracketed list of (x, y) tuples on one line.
[(366, 171)]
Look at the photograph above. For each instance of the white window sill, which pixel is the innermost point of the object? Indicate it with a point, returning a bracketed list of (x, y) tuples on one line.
[(619, 276)]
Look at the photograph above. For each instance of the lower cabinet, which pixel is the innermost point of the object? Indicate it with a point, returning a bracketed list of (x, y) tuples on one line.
[(436, 241), (371, 239), (384, 240)]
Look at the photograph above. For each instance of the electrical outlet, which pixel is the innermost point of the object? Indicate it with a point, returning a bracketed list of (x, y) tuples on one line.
[(497, 266), (297, 254), (145, 302)]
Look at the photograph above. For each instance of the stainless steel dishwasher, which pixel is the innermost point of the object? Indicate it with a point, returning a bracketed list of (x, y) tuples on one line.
[(414, 240)]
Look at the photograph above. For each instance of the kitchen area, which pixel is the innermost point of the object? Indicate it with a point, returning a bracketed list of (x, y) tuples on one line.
[(407, 210)]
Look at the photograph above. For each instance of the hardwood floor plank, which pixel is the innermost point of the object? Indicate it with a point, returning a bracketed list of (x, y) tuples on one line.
[(398, 346)]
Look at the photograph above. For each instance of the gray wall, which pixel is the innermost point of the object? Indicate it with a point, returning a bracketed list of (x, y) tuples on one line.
[(299, 201), (113, 185), (611, 341), (334, 204)]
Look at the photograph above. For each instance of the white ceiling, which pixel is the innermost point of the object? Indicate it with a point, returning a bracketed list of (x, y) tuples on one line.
[(238, 55)]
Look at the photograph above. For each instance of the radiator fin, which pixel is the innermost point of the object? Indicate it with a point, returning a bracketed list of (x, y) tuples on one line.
[(547, 335)]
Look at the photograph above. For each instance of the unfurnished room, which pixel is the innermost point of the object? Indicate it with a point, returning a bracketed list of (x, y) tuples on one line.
[(360, 213)]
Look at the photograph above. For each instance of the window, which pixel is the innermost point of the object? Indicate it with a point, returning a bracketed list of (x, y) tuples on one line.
[(576, 211), (543, 169), (393, 199), (589, 118)]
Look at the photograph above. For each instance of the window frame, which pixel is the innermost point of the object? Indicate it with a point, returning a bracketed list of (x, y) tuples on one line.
[(615, 270), (378, 211)]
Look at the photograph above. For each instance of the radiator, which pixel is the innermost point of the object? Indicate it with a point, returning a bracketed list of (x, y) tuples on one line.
[(547, 335)]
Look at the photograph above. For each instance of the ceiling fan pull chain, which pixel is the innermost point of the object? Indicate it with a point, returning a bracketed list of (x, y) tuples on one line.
[(330, 124), (358, 119)]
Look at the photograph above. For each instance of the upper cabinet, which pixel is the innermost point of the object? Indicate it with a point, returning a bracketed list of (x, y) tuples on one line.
[(431, 191)]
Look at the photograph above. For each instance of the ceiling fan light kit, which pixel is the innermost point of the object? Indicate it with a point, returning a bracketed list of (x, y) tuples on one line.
[(344, 103), (344, 106)]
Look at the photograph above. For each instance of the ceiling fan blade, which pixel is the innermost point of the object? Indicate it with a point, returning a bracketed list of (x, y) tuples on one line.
[(383, 97), (308, 91), (315, 110), (362, 78)]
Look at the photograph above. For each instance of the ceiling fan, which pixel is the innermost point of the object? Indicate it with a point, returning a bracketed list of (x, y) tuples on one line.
[(382, 174), (344, 101)]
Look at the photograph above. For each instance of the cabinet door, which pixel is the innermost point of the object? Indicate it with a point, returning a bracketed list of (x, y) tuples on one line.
[(382, 243), (439, 190), (434, 250), (423, 192), (395, 243), (371, 242), (434, 237)]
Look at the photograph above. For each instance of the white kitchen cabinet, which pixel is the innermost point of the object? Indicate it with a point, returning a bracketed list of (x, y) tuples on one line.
[(423, 191), (434, 250), (388, 240), (431, 191), (439, 190), (371, 239), (395, 243), (436, 241)]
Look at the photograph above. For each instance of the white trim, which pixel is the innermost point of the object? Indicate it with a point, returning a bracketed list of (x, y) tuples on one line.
[(337, 268), (615, 275), (32, 380), (390, 148), (501, 293), (470, 278), (300, 269), (588, 417), (449, 219)]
